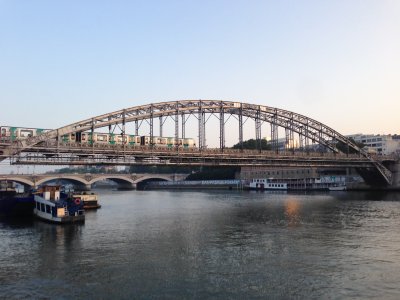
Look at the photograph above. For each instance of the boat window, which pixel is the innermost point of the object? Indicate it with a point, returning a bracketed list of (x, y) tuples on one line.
[(48, 209), (42, 206), (37, 205)]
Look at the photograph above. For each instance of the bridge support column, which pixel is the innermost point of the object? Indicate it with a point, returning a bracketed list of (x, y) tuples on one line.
[(395, 168), (258, 129), (221, 128), (202, 128), (241, 127), (161, 125)]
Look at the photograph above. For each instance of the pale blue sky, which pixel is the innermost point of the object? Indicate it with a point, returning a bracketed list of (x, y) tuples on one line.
[(335, 61)]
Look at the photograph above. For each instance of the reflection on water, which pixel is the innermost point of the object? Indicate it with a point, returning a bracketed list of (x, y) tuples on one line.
[(292, 207), (166, 244)]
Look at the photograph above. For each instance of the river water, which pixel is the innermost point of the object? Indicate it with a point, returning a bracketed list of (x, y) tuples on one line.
[(210, 245)]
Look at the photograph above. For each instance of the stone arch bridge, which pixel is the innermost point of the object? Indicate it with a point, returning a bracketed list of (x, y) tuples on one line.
[(85, 181)]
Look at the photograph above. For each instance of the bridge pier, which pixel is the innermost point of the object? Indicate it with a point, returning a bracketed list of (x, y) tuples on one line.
[(395, 168)]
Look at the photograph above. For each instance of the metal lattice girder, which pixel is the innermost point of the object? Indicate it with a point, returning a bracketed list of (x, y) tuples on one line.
[(241, 127), (315, 130), (309, 128)]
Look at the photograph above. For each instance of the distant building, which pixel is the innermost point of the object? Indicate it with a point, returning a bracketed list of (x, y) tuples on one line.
[(379, 144)]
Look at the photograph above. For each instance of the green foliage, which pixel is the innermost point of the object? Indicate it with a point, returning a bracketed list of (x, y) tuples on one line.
[(345, 149), (252, 144)]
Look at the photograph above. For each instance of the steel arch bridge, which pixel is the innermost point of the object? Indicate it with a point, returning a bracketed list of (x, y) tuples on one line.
[(307, 129)]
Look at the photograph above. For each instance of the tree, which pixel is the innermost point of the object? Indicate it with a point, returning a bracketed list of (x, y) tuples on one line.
[(253, 144), (342, 147)]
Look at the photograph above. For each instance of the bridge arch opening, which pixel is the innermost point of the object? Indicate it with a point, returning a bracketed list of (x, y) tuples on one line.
[(122, 183), (27, 184), (78, 184), (141, 185)]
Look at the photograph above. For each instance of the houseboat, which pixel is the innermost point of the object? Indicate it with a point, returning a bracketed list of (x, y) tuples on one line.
[(90, 201), (267, 184), (54, 206)]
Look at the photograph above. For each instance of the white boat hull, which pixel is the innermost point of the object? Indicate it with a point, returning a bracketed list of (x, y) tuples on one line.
[(337, 188)]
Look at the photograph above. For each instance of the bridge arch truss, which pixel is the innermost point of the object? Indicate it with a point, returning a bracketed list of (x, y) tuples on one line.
[(306, 128)]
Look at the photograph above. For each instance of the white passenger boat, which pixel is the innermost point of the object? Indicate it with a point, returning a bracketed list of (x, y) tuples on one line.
[(51, 205), (267, 184)]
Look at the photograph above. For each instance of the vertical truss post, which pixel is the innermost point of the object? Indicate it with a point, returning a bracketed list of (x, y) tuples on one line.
[(177, 126), (151, 127), (58, 140), (183, 125), (301, 139), (202, 127), (200, 119), (221, 127), (258, 129), (123, 126), (306, 138), (92, 134), (241, 127), (137, 124), (274, 132), (161, 126), (320, 137), (333, 144), (289, 138), (123, 131)]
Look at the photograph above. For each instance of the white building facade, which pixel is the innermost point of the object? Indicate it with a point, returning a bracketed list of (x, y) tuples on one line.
[(378, 144)]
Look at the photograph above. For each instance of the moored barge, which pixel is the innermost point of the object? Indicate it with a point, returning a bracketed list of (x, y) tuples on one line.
[(53, 206)]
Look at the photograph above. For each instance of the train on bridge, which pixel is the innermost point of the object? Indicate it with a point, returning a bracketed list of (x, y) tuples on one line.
[(9, 134)]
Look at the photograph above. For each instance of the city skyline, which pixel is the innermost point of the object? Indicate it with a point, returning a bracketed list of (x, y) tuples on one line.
[(335, 62)]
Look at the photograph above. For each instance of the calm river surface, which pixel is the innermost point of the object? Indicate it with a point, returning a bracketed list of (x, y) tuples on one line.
[(210, 245)]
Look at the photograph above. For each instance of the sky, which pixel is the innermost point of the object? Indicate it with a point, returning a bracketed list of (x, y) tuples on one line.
[(335, 61)]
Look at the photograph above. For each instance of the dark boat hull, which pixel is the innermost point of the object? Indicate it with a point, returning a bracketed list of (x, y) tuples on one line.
[(14, 205)]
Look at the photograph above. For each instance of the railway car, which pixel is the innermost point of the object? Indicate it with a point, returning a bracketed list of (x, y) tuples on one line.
[(9, 133), (189, 143), (168, 142), (134, 140), (5, 134), (100, 138)]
